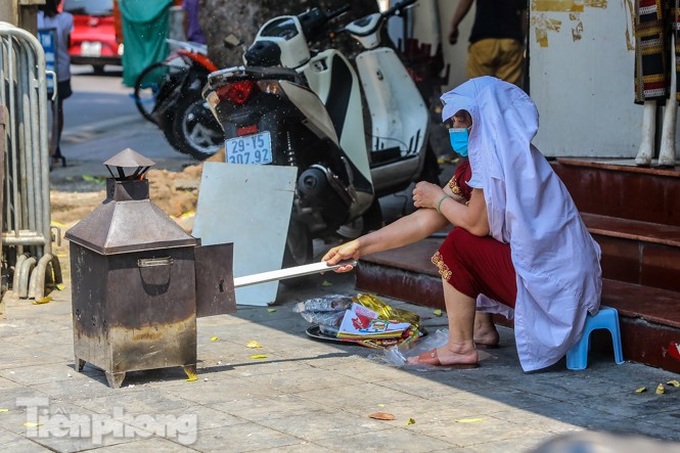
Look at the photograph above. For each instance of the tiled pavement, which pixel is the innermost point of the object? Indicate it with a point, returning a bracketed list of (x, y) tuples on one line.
[(311, 395)]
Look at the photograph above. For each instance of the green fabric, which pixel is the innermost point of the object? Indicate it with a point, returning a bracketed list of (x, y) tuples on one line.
[(145, 28)]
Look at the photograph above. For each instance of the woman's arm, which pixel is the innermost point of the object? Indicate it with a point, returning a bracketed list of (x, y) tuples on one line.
[(406, 230), (473, 216)]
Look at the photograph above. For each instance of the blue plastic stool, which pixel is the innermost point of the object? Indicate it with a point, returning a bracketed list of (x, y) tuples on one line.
[(606, 318)]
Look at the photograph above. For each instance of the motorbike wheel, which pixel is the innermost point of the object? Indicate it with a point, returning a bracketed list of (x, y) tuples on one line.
[(194, 129), (147, 86), (299, 251)]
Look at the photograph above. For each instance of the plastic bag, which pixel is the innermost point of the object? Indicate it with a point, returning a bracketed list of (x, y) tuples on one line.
[(398, 355), (324, 319), (330, 303), (326, 311)]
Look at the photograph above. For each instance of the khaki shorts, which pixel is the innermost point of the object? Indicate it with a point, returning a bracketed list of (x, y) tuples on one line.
[(502, 58)]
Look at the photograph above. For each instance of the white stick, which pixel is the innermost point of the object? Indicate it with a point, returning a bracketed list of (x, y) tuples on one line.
[(291, 272)]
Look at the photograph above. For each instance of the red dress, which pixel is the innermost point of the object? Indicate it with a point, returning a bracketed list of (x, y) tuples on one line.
[(474, 264)]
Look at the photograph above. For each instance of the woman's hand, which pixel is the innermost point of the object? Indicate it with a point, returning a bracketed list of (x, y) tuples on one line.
[(343, 252), (426, 195)]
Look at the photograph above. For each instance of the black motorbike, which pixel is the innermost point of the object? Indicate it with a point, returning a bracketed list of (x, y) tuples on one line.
[(295, 105), (169, 94)]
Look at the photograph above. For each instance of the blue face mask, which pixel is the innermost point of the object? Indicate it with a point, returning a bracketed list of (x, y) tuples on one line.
[(459, 140)]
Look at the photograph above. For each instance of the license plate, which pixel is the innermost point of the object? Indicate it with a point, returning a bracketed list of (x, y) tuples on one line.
[(249, 149), (91, 49)]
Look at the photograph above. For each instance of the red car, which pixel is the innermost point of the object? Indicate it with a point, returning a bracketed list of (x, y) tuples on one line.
[(94, 40)]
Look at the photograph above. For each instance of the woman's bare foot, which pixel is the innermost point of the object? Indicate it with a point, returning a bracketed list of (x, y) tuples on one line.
[(487, 339), (485, 333), (447, 358)]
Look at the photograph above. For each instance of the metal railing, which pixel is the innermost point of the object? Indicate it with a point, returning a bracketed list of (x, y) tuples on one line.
[(26, 234)]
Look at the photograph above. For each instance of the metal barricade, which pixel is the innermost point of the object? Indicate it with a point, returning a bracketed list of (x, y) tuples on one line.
[(3, 277), (26, 233)]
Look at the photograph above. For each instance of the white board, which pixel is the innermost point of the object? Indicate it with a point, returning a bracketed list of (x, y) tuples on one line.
[(249, 205)]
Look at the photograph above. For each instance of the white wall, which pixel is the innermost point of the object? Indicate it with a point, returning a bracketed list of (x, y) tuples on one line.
[(582, 78)]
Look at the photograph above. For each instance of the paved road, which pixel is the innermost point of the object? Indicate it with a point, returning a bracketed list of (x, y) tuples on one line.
[(296, 394), (97, 97), (101, 120)]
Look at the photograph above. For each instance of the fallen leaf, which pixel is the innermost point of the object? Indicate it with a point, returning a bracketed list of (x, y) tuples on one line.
[(258, 356), (2, 411), (271, 310), (382, 416), (437, 312), (44, 300), (253, 344), (191, 375), (660, 389), (410, 421), (674, 383), (469, 420), (61, 286), (214, 338), (640, 389), (326, 283), (32, 424)]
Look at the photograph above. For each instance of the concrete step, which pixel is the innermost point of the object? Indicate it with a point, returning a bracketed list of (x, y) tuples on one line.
[(649, 319), (637, 252), (618, 188)]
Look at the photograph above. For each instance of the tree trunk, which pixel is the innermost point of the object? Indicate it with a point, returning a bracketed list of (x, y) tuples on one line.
[(243, 18)]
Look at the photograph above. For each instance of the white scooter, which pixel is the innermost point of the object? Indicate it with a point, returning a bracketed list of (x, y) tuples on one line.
[(290, 105)]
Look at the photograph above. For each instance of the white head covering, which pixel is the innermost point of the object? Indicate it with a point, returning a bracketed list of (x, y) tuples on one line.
[(557, 262)]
